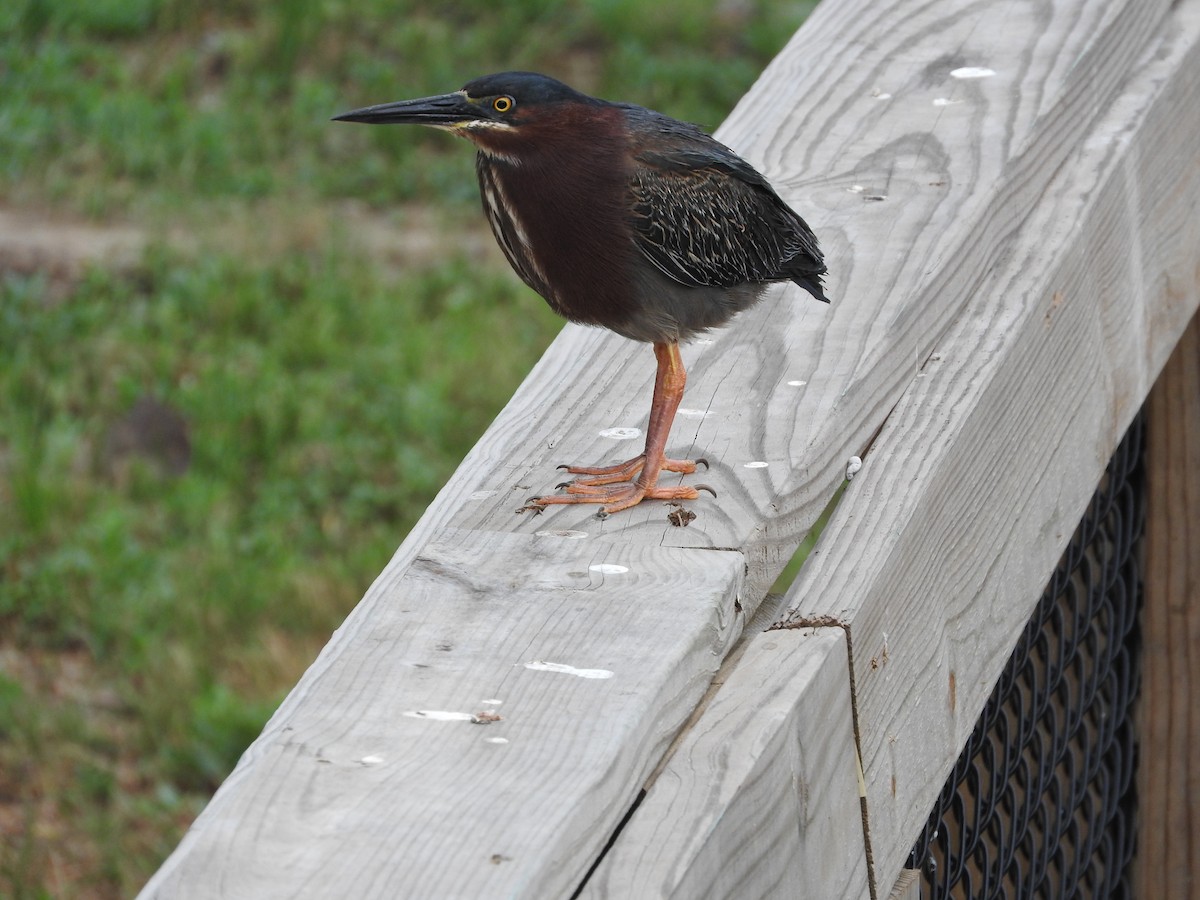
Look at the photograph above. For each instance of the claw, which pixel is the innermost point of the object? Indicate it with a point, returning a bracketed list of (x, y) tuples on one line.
[(704, 487), (562, 484), (701, 459)]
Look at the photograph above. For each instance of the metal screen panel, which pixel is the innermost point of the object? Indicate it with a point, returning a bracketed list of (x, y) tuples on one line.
[(1041, 802)]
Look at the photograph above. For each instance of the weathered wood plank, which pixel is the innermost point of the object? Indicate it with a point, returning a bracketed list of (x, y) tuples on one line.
[(1169, 763), (947, 536), (907, 886), (792, 383), (917, 197), (373, 781), (761, 798)]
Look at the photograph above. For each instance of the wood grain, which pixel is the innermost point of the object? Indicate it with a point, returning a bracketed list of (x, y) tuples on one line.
[(760, 799), (955, 211), (946, 538), (368, 786), (1168, 783), (907, 886), (956, 179)]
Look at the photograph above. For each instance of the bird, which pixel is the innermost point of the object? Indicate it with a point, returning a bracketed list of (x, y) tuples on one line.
[(624, 218)]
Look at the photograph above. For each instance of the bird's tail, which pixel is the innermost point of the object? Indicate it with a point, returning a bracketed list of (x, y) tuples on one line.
[(812, 284)]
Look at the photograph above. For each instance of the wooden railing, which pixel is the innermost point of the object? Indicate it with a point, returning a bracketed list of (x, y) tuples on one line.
[(530, 706)]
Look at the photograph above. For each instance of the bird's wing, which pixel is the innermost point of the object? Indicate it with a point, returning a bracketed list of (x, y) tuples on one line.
[(704, 216)]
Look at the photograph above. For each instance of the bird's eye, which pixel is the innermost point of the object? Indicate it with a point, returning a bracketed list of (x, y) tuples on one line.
[(502, 104)]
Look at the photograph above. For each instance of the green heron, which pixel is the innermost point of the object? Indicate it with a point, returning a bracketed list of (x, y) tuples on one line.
[(621, 217)]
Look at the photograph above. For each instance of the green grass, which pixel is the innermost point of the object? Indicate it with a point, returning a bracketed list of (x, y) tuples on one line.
[(121, 105), (153, 613), (326, 404)]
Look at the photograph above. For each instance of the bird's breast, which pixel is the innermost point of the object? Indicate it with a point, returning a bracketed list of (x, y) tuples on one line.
[(561, 224), (510, 231)]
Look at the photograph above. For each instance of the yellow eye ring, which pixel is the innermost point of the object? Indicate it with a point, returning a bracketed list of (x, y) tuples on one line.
[(502, 104)]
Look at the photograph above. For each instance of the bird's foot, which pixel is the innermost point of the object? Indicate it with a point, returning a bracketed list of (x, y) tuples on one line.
[(616, 497), (626, 471)]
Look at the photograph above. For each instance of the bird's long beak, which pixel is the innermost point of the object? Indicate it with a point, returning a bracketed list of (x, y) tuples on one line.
[(444, 110)]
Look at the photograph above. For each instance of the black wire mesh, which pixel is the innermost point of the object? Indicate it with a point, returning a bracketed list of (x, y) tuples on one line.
[(1041, 802)]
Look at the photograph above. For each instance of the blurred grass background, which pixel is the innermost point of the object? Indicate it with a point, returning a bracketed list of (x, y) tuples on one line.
[(213, 440)]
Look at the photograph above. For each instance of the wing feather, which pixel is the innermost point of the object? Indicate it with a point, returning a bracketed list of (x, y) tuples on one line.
[(705, 217)]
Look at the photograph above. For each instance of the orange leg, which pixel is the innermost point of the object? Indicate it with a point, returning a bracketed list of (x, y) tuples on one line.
[(628, 470), (601, 486)]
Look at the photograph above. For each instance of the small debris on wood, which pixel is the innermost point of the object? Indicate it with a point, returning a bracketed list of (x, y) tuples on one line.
[(680, 517), (487, 717)]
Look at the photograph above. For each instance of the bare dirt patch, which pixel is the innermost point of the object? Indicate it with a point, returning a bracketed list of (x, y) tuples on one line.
[(62, 249)]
